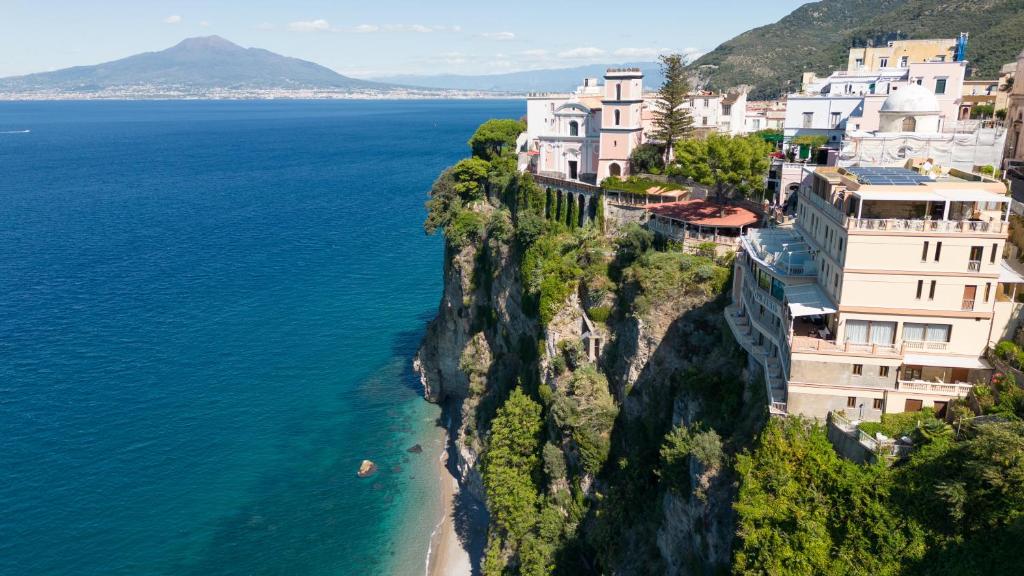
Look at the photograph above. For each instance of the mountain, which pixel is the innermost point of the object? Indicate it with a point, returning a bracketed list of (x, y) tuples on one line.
[(547, 80), (195, 64), (816, 37)]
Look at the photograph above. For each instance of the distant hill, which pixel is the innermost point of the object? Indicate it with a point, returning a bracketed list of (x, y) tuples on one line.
[(197, 64), (816, 37), (547, 80)]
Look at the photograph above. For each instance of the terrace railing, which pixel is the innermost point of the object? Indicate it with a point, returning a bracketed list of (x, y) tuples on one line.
[(957, 389), (922, 225)]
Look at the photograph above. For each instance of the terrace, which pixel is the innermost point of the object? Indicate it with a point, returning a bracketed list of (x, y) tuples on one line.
[(781, 250)]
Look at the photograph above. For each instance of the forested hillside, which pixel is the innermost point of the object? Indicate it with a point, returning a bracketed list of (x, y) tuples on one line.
[(816, 37)]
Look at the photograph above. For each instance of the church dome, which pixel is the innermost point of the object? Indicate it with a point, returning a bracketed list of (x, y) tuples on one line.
[(913, 99)]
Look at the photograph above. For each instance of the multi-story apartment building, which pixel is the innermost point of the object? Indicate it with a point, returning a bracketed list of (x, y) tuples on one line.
[(765, 115), (1014, 150), (883, 296)]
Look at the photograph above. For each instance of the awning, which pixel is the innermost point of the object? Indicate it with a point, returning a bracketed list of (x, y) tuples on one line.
[(972, 362), (808, 300), (911, 194), (1007, 275), (973, 196)]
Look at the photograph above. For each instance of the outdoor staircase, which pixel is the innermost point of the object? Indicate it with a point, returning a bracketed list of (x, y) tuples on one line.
[(775, 382)]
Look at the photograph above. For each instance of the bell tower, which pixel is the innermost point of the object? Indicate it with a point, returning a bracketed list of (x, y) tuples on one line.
[(621, 129)]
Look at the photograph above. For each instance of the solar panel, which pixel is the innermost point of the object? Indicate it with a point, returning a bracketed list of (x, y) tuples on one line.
[(887, 175)]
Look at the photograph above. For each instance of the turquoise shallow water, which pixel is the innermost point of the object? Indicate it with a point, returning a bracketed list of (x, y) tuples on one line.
[(208, 312)]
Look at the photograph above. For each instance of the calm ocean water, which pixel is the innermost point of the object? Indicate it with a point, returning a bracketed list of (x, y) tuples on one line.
[(208, 312)]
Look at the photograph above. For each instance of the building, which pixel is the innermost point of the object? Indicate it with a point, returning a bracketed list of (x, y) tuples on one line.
[(883, 296), (1014, 150), (900, 54), (765, 115), (589, 135)]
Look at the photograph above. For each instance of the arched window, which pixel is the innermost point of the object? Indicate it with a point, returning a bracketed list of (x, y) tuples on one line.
[(574, 128), (618, 91), (909, 124), (614, 170), (618, 117)]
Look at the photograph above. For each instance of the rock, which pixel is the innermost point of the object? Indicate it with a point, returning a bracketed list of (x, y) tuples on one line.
[(415, 449), (367, 468)]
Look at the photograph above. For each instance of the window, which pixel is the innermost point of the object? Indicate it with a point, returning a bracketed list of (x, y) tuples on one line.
[(756, 124), (574, 128), (726, 109), (860, 62), (835, 119), (618, 117), (877, 404), (883, 371), (618, 91), (707, 102), (924, 252), (904, 60), (920, 288), (858, 369), (938, 251), (988, 290), (870, 332), (704, 121), (851, 401), (995, 250), (931, 291), (808, 119), (883, 62), (940, 85), (926, 332)]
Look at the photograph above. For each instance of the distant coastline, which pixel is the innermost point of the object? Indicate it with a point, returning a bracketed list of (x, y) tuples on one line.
[(124, 94)]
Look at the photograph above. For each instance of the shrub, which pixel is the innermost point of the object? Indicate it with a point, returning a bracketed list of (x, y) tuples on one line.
[(706, 249), (554, 461), (572, 351), (466, 228), (599, 313), (1007, 350)]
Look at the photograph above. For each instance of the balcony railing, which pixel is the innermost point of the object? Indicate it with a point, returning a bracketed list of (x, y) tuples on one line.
[(967, 304), (904, 225), (974, 266), (810, 344), (949, 388), (925, 346)]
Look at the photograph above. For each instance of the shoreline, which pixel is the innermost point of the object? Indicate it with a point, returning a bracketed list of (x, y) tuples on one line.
[(458, 539)]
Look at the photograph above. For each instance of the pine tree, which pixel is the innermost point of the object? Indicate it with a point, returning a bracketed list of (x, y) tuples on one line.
[(672, 122)]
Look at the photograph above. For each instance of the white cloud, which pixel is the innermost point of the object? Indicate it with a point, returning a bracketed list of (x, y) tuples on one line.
[(581, 53), (498, 35), (366, 28), (644, 53), (318, 25), (204, 24), (417, 28), (172, 19), (264, 26)]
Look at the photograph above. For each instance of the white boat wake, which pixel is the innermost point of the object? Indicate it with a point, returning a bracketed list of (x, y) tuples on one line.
[(15, 132)]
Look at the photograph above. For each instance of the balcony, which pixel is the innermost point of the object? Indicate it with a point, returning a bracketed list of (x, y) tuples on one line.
[(920, 346), (810, 344), (958, 389), (923, 225), (974, 266), (967, 305)]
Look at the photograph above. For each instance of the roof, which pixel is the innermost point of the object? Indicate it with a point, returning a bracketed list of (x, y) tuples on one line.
[(911, 98), (704, 213), (950, 361), (808, 300)]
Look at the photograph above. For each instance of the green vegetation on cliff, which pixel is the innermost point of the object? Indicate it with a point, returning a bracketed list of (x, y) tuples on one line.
[(954, 508), (817, 36)]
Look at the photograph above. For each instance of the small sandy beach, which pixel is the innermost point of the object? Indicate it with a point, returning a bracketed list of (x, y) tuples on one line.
[(447, 556)]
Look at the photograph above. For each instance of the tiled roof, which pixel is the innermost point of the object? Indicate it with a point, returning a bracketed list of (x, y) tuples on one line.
[(704, 213)]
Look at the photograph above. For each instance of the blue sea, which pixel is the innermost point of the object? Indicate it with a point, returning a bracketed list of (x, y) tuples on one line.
[(208, 313)]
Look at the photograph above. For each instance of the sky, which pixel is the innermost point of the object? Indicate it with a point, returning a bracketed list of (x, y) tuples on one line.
[(375, 38)]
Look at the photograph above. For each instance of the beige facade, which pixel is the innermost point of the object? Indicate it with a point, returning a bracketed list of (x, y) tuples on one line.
[(900, 53), (883, 297), (1015, 115)]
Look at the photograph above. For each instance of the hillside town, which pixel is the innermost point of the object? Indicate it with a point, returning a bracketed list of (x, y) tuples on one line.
[(876, 269)]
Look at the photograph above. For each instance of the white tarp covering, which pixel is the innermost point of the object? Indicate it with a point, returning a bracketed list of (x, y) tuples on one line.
[(1007, 275), (971, 362), (808, 300), (963, 150), (973, 196), (910, 194)]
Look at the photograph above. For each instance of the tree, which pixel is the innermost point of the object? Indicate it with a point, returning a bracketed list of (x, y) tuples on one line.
[(733, 165), (495, 137), (982, 111), (648, 158), (671, 120), (512, 465)]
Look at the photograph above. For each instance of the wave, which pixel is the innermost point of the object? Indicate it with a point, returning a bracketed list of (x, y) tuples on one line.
[(15, 131)]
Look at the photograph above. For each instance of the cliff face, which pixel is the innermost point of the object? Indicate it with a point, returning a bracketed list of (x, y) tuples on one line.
[(468, 358)]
